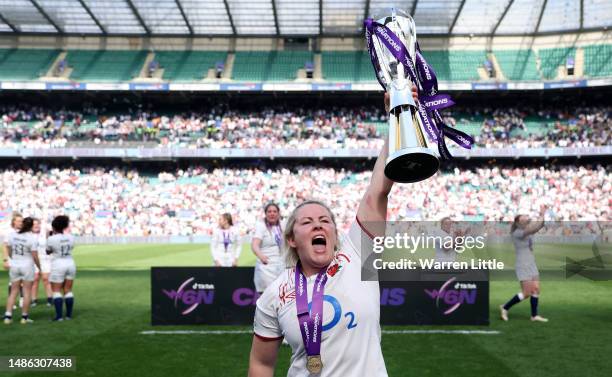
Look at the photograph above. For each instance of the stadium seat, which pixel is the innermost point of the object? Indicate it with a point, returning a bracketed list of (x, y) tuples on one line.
[(552, 58), (105, 66), (448, 65), (269, 65), (456, 65), (353, 66), (25, 64), (188, 65), (518, 64), (597, 61)]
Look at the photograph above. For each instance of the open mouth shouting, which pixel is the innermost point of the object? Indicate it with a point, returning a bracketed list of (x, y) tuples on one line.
[(319, 243)]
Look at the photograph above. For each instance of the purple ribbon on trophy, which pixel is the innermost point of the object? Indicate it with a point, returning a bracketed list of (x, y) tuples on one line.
[(424, 77), (310, 320)]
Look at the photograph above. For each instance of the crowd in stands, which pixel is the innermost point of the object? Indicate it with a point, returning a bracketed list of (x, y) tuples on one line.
[(503, 127), (357, 127), (124, 201)]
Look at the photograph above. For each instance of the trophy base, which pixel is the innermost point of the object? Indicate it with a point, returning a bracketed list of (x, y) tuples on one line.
[(411, 165)]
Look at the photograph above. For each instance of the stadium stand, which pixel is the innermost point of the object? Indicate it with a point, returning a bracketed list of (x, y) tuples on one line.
[(284, 64), (518, 64), (456, 65), (345, 66), (25, 64), (121, 200), (552, 58), (269, 65), (356, 127), (105, 65), (188, 65), (598, 60), (348, 66), (251, 66)]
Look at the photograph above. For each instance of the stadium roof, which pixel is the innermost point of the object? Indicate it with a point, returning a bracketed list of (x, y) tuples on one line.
[(243, 18)]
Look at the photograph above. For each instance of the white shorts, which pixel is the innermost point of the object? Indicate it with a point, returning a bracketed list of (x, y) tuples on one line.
[(21, 271), (45, 264), (62, 270), (525, 272), (265, 274)]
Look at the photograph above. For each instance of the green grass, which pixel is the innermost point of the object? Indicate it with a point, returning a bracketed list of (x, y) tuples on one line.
[(112, 306)]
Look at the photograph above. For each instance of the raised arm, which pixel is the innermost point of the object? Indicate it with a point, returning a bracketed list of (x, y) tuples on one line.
[(535, 226), (372, 211), (373, 206)]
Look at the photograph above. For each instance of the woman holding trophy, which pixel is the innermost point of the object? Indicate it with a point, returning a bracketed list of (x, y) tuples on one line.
[(343, 339), (320, 305)]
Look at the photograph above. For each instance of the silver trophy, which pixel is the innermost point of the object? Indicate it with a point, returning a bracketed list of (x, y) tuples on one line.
[(410, 159)]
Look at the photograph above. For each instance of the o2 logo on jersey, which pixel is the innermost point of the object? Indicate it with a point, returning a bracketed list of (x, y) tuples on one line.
[(191, 295), (350, 320), (451, 298)]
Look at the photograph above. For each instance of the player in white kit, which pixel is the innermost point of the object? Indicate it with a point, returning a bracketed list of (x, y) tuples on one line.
[(225, 244), (327, 314), (527, 272), (63, 269), (24, 256), (267, 245), (45, 265), (445, 254), (16, 222)]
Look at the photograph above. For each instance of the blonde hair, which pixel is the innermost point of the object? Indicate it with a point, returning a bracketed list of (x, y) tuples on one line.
[(16, 215), (291, 255)]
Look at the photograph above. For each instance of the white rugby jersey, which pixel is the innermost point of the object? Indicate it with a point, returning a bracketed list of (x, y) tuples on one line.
[(22, 245), (218, 247), (350, 344), (11, 232), (61, 245), (523, 247), (268, 245), (443, 254)]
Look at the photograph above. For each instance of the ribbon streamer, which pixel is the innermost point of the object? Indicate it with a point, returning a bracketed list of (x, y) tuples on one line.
[(426, 82)]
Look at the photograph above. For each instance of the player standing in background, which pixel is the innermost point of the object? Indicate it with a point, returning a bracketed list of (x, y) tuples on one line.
[(443, 254), (225, 244), (522, 230), (16, 222), (267, 245), (45, 264), (24, 256), (63, 269)]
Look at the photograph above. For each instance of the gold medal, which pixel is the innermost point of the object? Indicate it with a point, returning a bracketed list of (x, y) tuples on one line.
[(314, 364)]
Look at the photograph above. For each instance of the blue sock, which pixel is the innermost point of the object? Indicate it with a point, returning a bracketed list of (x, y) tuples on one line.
[(534, 305), (58, 301), (514, 300), (69, 299)]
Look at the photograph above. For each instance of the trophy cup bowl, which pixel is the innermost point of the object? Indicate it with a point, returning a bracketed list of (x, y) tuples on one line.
[(410, 159)]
